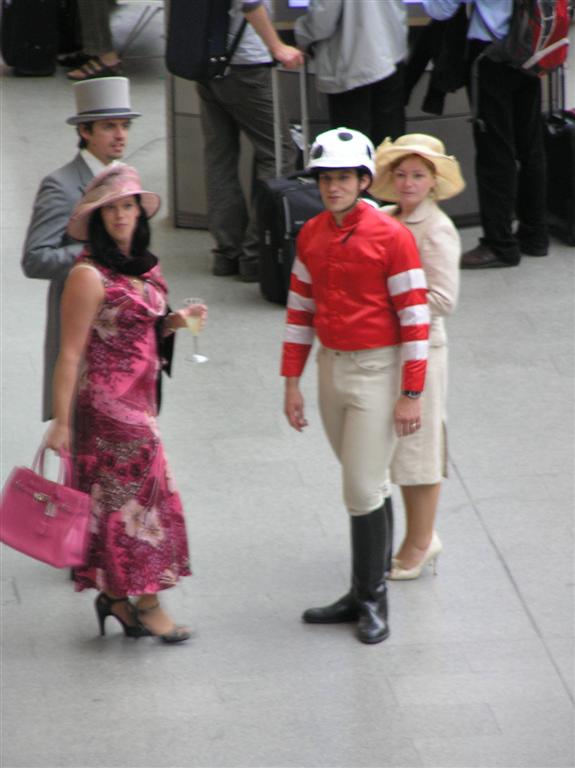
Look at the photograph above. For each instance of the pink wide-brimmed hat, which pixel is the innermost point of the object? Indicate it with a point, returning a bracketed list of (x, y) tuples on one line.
[(117, 181)]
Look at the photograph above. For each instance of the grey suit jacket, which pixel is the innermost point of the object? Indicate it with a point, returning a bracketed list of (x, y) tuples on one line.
[(49, 252)]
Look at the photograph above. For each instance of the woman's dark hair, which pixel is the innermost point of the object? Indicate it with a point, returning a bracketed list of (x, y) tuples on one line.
[(361, 170), (105, 250)]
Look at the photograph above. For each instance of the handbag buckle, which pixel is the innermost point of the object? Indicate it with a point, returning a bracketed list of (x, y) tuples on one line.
[(41, 497), (50, 510)]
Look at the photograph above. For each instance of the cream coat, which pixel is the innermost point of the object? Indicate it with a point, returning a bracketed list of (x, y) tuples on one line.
[(421, 458), (440, 251)]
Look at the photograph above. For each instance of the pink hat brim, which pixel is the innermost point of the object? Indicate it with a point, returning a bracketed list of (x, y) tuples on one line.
[(78, 224)]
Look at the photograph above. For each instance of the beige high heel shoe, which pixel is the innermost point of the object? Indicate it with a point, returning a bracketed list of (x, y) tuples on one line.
[(433, 551)]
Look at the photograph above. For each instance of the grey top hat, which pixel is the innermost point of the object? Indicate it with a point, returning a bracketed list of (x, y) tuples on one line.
[(102, 98)]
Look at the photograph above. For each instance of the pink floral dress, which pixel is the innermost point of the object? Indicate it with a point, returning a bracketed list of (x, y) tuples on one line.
[(138, 536)]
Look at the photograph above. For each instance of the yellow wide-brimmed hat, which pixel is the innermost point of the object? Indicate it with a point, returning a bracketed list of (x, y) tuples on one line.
[(448, 179), (117, 181)]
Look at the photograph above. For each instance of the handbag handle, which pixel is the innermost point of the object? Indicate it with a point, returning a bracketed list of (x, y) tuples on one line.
[(64, 470)]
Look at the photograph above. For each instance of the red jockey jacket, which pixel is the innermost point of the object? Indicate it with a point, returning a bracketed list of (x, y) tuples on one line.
[(357, 286)]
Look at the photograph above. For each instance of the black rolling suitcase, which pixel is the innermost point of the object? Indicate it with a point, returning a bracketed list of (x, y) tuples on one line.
[(283, 205), (29, 37), (559, 133)]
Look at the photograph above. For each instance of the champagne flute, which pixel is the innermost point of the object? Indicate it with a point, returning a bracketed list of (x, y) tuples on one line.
[(194, 323)]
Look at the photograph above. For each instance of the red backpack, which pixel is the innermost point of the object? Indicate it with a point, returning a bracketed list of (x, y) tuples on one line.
[(537, 41)]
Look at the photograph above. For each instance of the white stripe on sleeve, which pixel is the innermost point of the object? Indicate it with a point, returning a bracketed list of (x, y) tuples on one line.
[(406, 281), (414, 350), (300, 271), (299, 334), (301, 303), (416, 314)]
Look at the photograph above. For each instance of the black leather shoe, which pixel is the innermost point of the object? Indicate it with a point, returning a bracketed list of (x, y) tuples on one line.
[(533, 240), (224, 267), (482, 257), (344, 609), (249, 275), (372, 626), (533, 250)]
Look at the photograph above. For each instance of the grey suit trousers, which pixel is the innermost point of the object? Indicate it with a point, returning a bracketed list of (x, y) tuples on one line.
[(240, 102)]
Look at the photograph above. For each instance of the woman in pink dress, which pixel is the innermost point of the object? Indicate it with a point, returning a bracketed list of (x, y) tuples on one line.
[(115, 324)]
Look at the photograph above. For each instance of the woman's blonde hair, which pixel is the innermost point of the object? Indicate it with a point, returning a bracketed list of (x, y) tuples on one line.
[(428, 164)]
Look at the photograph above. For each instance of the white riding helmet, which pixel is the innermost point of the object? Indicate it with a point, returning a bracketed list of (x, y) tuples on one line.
[(342, 148)]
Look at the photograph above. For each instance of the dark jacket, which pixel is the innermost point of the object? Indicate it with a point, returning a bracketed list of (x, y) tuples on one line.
[(445, 44)]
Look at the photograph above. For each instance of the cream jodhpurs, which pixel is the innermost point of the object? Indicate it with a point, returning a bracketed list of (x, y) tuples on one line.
[(357, 396)]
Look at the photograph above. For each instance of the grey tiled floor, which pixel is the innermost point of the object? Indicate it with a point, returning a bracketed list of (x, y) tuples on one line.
[(478, 670)]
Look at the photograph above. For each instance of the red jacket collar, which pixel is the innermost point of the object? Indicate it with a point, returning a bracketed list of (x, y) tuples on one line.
[(351, 219)]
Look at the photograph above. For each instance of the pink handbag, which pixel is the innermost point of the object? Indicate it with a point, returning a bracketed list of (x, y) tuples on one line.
[(44, 519)]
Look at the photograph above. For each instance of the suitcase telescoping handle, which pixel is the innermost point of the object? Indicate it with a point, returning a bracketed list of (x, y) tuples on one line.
[(304, 113), (556, 92), (277, 121)]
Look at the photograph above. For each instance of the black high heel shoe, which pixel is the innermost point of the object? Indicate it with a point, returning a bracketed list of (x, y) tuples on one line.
[(104, 605)]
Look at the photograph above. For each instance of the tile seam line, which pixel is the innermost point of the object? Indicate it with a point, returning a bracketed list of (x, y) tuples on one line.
[(513, 582)]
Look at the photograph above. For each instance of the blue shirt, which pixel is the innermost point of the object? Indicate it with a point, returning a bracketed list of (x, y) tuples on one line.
[(496, 13)]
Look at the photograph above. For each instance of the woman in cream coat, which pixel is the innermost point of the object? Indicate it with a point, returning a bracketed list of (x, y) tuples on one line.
[(415, 171)]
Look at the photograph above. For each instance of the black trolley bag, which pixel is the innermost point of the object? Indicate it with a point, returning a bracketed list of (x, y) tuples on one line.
[(29, 36), (283, 205), (559, 136)]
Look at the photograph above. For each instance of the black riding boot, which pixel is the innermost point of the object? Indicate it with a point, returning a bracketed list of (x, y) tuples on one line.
[(369, 544), (388, 553), (368, 532), (343, 610)]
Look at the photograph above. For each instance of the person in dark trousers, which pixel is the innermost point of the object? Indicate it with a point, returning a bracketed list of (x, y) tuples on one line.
[(98, 47), (510, 159), (358, 51), (357, 282), (242, 102)]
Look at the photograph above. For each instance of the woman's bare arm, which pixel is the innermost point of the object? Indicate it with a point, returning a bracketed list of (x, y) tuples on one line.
[(81, 299)]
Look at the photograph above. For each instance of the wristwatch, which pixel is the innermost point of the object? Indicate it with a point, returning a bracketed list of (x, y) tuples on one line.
[(413, 394)]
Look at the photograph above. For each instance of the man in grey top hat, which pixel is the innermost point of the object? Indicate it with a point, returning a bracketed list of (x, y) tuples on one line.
[(102, 120)]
